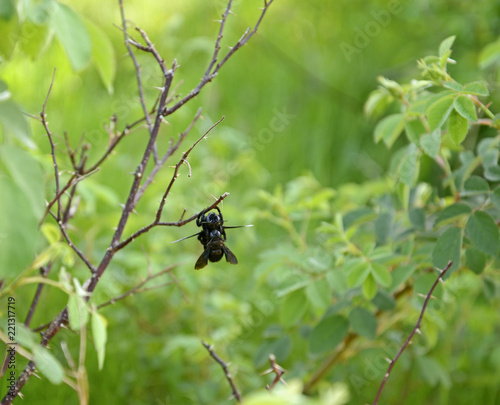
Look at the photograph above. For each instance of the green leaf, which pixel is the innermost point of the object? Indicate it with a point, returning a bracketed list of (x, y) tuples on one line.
[(417, 218), (9, 32), (377, 102), (318, 293), (431, 143), (389, 129), (483, 232), (71, 31), (369, 287), (7, 10), (410, 166), (458, 127), (15, 122), (432, 372), (19, 232), (27, 174), (492, 173), (77, 312), (490, 55), (414, 130), (381, 274), (400, 275), (476, 88), (357, 274), (103, 55), (448, 247), (383, 226), (495, 197), (363, 323), (48, 365), (99, 333), (488, 150), (358, 216), (453, 211), (293, 308), (475, 260), (34, 44), (445, 45), (465, 107), (328, 334), (439, 111), (475, 185), (453, 85), (384, 301)]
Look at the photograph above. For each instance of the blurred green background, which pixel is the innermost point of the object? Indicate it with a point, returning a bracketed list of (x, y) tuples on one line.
[(293, 101)]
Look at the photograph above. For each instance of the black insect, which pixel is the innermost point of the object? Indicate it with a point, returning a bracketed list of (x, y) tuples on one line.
[(212, 236)]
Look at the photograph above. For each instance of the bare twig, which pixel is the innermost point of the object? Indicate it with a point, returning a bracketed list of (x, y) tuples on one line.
[(415, 330), (43, 116), (171, 150), (224, 365), (276, 369), (178, 165), (137, 67), (44, 272), (73, 180), (213, 69), (138, 288)]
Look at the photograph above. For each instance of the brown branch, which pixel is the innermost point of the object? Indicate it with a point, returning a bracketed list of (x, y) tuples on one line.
[(276, 369), (137, 68), (224, 365), (138, 288), (179, 223), (43, 116), (171, 150), (415, 330), (178, 165), (44, 272), (212, 71)]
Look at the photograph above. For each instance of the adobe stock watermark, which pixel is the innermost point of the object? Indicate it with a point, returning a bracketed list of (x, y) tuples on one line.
[(363, 36)]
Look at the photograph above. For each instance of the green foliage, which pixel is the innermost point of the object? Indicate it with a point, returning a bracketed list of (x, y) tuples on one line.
[(326, 273)]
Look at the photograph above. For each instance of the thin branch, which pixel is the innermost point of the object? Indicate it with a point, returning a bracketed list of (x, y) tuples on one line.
[(179, 223), (276, 369), (43, 116), (415, 330), (44, 272), (224, 365), (73, 180), (138, 288), (80, 254), (171, 150), (178, 165), (212, 71), (137, 67)]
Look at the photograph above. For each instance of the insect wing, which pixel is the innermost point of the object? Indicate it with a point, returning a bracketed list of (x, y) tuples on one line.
[(230, 257), (202, 261)]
